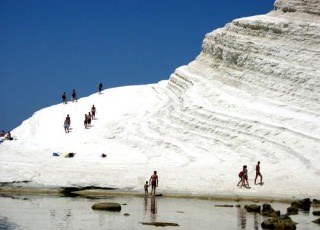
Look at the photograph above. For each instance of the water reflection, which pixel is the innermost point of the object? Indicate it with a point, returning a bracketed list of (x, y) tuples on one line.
[(257, 221), (243, 218), (61, 220), (145, 204), (7, 225), (153, 207), (76, 213)]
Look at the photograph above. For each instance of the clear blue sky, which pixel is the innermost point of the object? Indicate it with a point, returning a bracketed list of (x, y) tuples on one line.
[(51, 46)]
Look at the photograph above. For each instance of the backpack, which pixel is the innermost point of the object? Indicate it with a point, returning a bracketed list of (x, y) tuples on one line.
[(241, 174)]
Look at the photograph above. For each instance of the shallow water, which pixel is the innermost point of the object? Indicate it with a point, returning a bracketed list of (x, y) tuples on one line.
[(49, 212)]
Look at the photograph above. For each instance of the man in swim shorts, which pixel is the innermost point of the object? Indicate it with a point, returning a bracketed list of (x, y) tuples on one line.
[(154, 182)]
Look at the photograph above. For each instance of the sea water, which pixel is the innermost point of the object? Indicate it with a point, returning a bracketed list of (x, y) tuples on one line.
[(51, 212)]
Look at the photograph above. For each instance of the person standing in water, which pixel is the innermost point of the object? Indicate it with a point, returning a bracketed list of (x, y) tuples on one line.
[(154, 182)]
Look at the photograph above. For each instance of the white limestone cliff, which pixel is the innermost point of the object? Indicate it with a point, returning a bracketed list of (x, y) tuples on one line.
[(251, 94)]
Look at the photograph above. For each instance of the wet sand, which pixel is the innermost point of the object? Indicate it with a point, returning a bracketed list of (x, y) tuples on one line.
[(113, 192)]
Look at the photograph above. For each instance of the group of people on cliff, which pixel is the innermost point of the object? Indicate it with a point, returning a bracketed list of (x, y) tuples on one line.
[(74, 97), (88, 117)]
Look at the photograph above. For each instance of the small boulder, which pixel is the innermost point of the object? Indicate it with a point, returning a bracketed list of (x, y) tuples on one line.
[(317, 221), (302, 204), (161, 224), (224, 205), (315, 201), (267, 210), (253, 208), (316, 213), (115, 207), (292, 210), (282, 222)]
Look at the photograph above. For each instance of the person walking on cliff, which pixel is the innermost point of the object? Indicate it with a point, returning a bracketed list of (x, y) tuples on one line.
[(100, 87), (64, 98), (89, 119), (74, 96), (85, 121), (93, 112), (67, 123)]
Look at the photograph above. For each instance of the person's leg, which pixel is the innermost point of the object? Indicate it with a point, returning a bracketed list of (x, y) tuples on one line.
[(242, 182), (153, 189), (239, 181), (260, 178)]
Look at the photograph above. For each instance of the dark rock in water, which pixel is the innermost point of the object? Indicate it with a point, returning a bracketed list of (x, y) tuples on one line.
[(306, 203), (315, 201), (302, 204), (317, 221), (126, 214), (115, 207), (224, 205), (253, 208), (160, 224), (292, 210), (316, 213), (267, 210), (282, 222)]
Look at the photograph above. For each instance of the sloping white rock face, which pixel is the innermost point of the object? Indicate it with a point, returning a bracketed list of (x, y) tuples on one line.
[(261, 77), (252, 94)]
